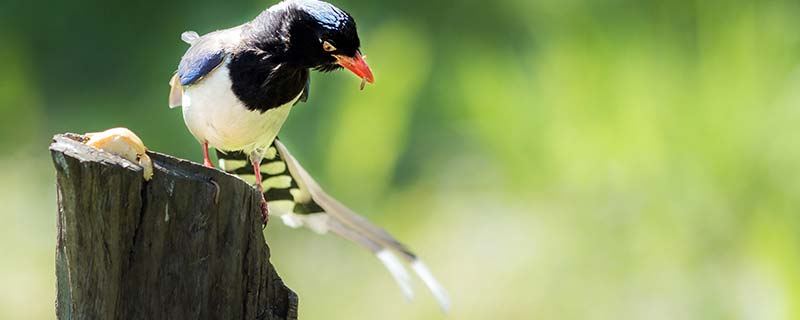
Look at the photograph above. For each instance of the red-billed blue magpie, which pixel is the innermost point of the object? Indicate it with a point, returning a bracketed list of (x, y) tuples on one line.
[(237, 86)]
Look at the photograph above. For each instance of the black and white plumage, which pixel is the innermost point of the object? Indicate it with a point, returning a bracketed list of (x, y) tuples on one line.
[(261, 66), (236, 88), (300, 202)]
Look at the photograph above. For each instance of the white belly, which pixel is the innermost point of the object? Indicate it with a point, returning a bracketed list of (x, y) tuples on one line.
[(213, 114)]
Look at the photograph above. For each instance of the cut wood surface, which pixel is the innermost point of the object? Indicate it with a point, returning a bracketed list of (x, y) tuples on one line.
[(187, 244)]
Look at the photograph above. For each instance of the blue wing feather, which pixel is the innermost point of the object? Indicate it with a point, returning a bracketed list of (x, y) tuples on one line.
[(194, 66), (206, 53)]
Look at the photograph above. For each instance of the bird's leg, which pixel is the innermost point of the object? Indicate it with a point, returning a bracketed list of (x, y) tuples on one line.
[(206, 159), (264, 207)]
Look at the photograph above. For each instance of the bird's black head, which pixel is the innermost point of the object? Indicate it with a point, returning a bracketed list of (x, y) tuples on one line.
[(321, 36)]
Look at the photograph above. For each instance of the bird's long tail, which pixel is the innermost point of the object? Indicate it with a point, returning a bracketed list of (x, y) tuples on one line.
[(294, 195)]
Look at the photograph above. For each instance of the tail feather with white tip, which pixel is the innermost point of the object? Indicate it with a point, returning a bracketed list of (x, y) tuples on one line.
[(294, 195)]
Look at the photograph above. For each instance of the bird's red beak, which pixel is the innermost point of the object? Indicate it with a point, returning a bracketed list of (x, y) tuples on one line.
[(357, 65)]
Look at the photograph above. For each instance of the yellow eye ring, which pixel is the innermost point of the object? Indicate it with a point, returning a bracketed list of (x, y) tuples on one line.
[(328, 47)]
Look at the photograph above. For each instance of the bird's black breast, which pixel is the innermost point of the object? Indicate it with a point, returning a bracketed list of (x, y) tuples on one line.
[(261, 84)]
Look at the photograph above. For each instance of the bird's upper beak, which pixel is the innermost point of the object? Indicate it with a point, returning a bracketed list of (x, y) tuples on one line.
[(357, 65)]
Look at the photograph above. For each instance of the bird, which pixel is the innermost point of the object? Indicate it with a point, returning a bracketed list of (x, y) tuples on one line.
[(236, 88)]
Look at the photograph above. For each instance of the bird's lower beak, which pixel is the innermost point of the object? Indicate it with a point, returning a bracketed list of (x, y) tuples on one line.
[(357, 65)]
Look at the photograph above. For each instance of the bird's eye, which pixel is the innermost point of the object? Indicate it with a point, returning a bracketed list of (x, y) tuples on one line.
[(327, 46)]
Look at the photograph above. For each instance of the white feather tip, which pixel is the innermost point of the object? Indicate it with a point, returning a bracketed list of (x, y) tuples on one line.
[(397, 270), (189, 37), (436, 289)]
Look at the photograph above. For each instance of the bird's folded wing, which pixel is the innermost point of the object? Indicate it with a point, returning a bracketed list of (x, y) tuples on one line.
[(203, 57), (294, 195), (205, 54)]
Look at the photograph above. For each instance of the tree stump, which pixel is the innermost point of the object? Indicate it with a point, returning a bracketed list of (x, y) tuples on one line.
[(176, 247)]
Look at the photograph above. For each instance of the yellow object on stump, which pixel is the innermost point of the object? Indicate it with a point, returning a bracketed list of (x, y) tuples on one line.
[(124, 143)]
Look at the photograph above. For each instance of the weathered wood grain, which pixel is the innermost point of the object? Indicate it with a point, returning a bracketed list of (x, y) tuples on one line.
[(162, 249)]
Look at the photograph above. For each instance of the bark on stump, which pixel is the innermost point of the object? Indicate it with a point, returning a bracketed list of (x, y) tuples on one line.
[(174, 247)]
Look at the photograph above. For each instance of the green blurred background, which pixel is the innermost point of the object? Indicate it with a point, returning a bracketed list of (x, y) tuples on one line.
[(612, 159)]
